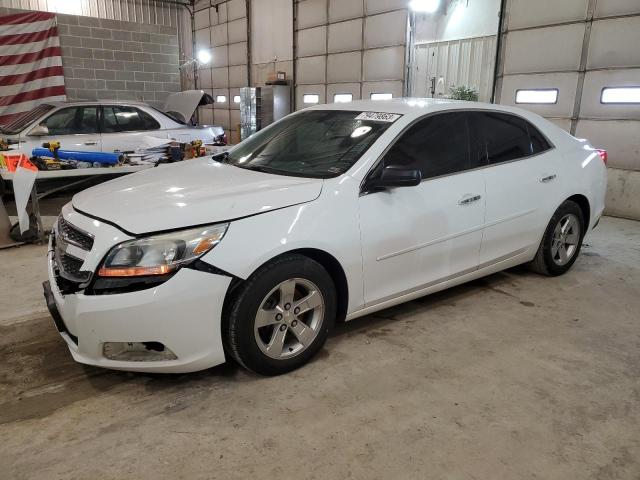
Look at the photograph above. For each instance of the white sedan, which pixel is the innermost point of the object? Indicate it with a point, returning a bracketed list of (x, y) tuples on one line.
[(110, 126), (332, 213)]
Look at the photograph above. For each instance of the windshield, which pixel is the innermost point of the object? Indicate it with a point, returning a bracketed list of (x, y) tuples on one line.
[(18, 124), (316, 143)]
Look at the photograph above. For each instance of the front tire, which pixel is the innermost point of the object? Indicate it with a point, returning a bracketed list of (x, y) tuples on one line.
[(562, 240), (281, 316)]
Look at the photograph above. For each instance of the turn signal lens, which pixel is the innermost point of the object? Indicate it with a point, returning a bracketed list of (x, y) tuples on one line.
[(134, 271)]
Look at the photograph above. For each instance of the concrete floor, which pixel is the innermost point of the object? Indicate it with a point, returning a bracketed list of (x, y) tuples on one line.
[(513, 376)]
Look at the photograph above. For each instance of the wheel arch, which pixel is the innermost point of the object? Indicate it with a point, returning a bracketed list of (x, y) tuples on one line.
[(583, 203), (330, 264)]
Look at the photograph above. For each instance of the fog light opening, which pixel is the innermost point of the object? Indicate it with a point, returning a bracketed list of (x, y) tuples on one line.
[(137, 351)]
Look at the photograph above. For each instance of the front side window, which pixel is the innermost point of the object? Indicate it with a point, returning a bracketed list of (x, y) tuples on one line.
[(320, 144), (120, 118), (501, 137), (437, 145), (73, 120)]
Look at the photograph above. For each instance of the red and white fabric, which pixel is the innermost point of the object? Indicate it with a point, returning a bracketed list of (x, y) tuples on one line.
[(30, 63)]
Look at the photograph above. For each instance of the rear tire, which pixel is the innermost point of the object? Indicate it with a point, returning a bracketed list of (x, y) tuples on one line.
[(562, 240), (281, 316)]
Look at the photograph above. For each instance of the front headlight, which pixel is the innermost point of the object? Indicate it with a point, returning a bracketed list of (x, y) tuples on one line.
[(161, 254)]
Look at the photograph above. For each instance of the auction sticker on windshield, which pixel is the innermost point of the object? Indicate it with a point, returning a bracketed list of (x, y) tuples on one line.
[(378, 116)]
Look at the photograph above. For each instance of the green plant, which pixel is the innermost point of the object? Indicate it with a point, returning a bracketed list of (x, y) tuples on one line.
[(463, 93)]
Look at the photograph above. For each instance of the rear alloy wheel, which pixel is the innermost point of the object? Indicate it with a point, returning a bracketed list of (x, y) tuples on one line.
[(561, 242), (281, 316)]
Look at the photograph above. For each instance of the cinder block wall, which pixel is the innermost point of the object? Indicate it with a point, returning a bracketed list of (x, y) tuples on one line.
[(115, 60)]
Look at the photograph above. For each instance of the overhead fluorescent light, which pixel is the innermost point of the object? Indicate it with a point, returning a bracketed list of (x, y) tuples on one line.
[(537, 96), (221, 99), (381, 96), (310, 98), (236, 99), (342, 97), (424, 6), (620, 95), (204, 56)]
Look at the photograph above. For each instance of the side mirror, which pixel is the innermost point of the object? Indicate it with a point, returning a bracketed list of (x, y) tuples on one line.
[(393, 176), (39, 131)]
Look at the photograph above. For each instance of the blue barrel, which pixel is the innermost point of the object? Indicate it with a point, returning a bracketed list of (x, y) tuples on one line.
[(91, 157)]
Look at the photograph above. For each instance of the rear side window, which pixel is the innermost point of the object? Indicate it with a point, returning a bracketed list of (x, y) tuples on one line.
[(437, 145), (119, 118), (499, 137)]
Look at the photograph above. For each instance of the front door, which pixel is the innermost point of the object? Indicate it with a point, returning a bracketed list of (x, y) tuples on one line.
[(414, 237), (76, 128), (125, 128)]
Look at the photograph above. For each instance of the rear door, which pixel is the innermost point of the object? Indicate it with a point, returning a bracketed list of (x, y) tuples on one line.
[(76, 128), (414, 237), (522, 181), (123, 127)]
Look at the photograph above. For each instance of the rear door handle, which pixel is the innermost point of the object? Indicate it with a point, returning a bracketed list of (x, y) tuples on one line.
[(467, 199), (548, 178), (90, 143)]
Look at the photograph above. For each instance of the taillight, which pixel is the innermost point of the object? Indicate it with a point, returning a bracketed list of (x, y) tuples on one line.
[(603, 155)]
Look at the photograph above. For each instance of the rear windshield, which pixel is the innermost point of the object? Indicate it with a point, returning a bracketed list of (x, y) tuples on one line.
[(316, 143), (24, 120)]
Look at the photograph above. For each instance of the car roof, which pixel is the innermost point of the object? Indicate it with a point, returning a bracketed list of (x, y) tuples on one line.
[(71, 103), (415, 106)]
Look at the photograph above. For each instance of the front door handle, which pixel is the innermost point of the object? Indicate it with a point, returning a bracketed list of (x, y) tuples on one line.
[(90, 143), (467, 199), (548, 178)]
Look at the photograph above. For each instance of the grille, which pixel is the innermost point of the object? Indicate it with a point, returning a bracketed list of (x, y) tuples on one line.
[(74, 235)]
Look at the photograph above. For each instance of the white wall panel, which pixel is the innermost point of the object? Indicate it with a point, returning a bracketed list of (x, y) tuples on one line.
[(236, 9), (203, 39), (312, 13), (378, 6), (564, 82), (606, 8), (219, 35), (623, 192), (345, 9), (237, 30), (385, 29), (563, 123), (527, 13), (383, 64), (220, 77), (238, 76), (345, 36), (344, 67), (395, 88), (337, 88), (204, 78), (544, 49), (595, 81), (614, 43), (201, 19), (311, 70), (220, 56), (221, 117), (618, 137), (312, 41), (271, 30), (238, 53), (218, 15), (234, 119), (301, 90), (232, 105)]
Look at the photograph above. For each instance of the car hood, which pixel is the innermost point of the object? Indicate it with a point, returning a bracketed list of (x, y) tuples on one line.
[(193, 192)]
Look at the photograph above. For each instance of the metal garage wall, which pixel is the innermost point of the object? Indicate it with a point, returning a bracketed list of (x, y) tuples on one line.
[(352, 47), (580, 47), (223, 30), (467, 62)]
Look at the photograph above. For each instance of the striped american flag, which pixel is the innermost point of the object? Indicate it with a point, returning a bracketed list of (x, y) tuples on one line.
[(30, 63)]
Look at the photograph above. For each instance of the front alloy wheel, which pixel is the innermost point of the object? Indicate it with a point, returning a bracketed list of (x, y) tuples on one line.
[(289, 318), (281, 316)]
